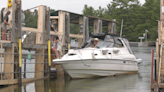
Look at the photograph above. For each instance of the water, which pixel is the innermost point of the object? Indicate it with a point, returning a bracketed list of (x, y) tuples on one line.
[(125, 83)]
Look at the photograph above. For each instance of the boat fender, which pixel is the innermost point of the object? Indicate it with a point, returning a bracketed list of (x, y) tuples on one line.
[(139, 61), (29, 55), (10, 3)]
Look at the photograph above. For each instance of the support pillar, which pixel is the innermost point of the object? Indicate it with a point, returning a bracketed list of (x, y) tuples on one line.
[(39, 59), (96, 26), (87, 29), (40, 37), (61, 29), (100, 26), (110, 29), (67, 39), (81, 30), (9, 58)]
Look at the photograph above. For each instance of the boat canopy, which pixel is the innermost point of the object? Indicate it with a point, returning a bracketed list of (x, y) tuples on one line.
[(106, 40)]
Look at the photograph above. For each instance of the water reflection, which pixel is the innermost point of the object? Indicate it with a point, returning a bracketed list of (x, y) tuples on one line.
[(126, 83)]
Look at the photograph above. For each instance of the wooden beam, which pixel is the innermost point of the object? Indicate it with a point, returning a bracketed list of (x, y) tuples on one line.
[(54, 17), (76, 36)]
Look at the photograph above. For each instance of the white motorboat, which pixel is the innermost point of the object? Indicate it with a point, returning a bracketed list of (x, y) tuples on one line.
[(111, 56)]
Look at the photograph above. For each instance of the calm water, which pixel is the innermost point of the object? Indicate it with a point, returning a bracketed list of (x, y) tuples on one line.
[(126, 83)]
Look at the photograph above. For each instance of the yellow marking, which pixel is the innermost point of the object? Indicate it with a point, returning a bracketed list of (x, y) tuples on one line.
[(49, 53), (68, 46), (20, 53)]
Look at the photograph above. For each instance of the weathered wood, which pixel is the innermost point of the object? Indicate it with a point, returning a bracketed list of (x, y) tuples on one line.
[(48, 23), (33, 30), (84, 30), (87, 29), (110, 28), (100, 26), (1, 60), (81, 21), (12, 18), (96, 26), (39, 86), (159, 31), (68, 28), (162, 14), (39, 59), (54, 17), (41, 25), (9, 58), (157, 59)]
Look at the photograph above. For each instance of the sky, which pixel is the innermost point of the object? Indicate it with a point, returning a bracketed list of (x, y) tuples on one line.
[(75, 6)]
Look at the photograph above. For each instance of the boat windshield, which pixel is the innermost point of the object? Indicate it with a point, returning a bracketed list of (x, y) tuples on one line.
[(127, 45), (104, 44), (101, 44)]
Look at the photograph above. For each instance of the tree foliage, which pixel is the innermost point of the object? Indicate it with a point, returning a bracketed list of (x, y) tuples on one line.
[(136, 17)]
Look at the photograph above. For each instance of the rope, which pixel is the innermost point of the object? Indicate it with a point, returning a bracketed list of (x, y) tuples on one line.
[(33, 8)]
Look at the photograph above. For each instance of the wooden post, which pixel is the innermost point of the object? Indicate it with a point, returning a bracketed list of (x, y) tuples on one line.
[(162, 20), (159, 32), (19, 11), (152, 64), (61, 29), (49, 45), (39, 86), (12, 21), (110, 28), (96, 26), (40, 37), (68, 30), (100, 26), (39, 59), (84, 29), (87, 29), (1, 60), (81, 30), (157, 59), (24, 75), (10, 59)]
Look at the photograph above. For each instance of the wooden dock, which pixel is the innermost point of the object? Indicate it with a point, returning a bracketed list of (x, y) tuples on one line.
[(38, 40), (157, 76)]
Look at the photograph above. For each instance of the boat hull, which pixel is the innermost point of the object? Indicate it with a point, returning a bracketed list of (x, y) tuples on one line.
[(95, 68)]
